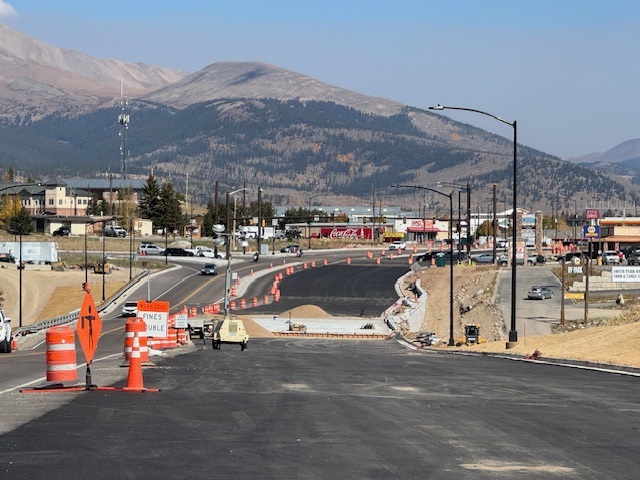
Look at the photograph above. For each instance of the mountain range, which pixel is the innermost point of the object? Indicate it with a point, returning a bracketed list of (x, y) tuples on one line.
[(237, 122)]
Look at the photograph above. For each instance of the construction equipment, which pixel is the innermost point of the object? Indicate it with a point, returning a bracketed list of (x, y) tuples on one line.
[(471, 336), (102, 266), (226, 330)]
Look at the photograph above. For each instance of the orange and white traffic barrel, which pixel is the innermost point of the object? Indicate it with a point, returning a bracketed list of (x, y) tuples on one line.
[(61, 354), (135, 325)]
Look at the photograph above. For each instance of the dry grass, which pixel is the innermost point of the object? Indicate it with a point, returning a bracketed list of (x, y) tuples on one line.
[(616, 345)]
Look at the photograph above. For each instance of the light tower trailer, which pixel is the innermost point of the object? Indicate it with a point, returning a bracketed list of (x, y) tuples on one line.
[(226, 330)]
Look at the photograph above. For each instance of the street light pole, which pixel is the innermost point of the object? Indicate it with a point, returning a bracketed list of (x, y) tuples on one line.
[(513, 333), (450, 196)]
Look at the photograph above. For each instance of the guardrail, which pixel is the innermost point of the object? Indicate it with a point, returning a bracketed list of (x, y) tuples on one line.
[(73, 316)]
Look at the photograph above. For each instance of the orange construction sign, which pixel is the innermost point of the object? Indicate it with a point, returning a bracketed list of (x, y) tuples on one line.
[(89, 327)]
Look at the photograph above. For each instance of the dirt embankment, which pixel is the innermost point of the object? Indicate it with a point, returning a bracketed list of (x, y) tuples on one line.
[(615, 343), (473, 301)]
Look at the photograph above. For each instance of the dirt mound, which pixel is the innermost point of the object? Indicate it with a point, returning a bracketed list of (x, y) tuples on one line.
[(253, 329), (306, 311)]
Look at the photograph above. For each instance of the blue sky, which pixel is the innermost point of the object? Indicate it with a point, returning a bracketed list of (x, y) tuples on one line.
[(566, 70)]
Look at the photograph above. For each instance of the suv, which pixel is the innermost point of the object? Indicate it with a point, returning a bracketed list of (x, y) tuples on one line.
[(150, 249), (114, 231)]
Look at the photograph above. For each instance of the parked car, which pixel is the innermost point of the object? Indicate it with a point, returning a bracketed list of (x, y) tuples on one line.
[(483, 258), (150, 249), (130, 308), (397, 245), (539, 293), (209, 269), (61, 232), (290, 249), (610, 257), (114, 231), (633, 257), (177, 252)]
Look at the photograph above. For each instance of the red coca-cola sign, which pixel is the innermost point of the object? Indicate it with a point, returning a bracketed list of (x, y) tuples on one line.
[(346, 232)]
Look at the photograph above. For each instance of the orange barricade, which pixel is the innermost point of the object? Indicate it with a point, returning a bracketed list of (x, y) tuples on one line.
[(216, 308), (193, 312), (234, 291), (276, 296), (266, 299), (135, 325), (182, 336), (313, 263), (304, 265), (254, 302), (243, 303), (348, 261), (232, 305), (378, 260), (61, 354), (324, 262)]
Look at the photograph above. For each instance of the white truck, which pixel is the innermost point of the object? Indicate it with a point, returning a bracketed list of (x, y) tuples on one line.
[(251, 231), (5, 333)]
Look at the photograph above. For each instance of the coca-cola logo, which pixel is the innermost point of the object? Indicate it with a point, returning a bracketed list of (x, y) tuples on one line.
[(345, 232)]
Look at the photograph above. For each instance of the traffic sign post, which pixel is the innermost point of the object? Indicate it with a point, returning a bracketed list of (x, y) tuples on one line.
[(88, 329)]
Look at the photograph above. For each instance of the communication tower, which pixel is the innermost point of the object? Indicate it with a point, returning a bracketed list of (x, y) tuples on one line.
[(123, 120)]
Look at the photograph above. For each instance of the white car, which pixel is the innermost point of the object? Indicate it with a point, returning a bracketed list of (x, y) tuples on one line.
[(130, 308), (610, 257), (205, 252), (397, 245)]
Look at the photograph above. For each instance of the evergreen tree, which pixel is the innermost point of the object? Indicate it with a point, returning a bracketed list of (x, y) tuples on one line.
[(150, 202), (20, 223), (208, 220)]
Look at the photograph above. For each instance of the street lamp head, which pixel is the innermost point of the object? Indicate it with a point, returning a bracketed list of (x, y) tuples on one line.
[(437, 107)]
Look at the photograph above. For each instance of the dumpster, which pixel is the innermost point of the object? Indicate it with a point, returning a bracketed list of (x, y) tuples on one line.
[(440, 260)]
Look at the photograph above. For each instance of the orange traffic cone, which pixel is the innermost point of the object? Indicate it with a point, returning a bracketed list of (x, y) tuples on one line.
[(134, 378), (14, 344)]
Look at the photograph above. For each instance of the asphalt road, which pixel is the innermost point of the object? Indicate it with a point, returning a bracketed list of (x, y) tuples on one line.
[(317, 409), (339, 289), (534, 317)]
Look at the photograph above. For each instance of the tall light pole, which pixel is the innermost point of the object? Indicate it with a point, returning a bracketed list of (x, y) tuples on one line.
[(309, 209), (450, 196), (461, 187), (513, 333)]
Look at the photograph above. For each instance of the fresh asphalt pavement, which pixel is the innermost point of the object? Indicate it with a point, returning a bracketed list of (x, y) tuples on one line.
[(317, 409)]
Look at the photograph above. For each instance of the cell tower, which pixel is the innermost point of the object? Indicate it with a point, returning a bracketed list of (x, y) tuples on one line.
[(123, 120)]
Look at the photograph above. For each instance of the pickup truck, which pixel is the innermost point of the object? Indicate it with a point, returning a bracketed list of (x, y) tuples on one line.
[(5, 333), (532, 259)]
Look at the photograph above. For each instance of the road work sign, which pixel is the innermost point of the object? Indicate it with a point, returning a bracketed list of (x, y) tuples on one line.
[(156, 317)]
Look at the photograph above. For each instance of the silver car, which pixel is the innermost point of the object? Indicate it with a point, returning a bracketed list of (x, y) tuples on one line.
[(539, 293)]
